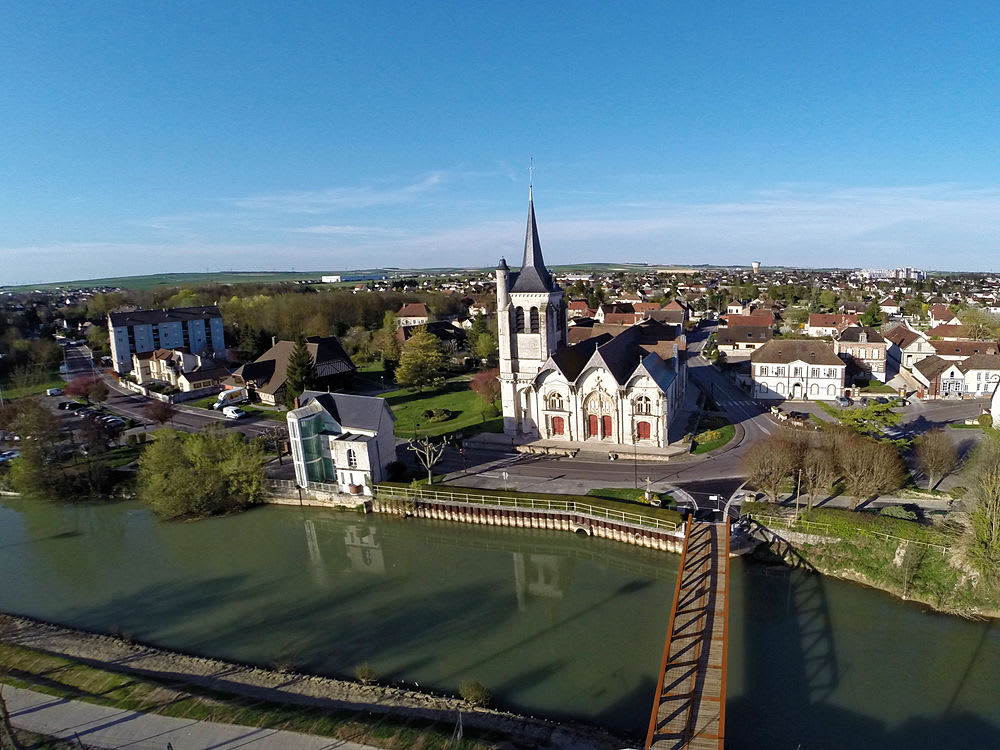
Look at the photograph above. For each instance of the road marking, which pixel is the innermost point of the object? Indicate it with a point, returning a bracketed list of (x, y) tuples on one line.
[(764, 429)]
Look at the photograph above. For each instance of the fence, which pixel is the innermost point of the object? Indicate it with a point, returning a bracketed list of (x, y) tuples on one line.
[(526, 503), (800, 524), (288, 484)]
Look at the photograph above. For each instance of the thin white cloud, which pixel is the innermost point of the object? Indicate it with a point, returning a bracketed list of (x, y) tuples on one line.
[(340, 199)]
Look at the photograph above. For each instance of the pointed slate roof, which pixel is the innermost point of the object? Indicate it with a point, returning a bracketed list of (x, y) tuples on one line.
[(533, 276)]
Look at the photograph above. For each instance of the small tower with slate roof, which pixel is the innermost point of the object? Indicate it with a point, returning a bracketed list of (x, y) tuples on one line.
[(531, 325)]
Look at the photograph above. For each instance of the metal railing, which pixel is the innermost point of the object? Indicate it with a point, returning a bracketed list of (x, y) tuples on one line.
[(288, 484), (526, 503), (801, 524)]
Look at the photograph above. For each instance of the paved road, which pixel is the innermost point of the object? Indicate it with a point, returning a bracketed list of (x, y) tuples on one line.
[(106, 727)]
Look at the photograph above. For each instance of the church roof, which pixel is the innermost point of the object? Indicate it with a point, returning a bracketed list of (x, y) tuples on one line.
[(533, 276)]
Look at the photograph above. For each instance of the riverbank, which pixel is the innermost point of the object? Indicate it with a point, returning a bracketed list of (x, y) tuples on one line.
[(383, 716)]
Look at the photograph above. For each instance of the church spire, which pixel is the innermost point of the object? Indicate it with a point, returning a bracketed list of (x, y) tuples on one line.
[(534, 276)]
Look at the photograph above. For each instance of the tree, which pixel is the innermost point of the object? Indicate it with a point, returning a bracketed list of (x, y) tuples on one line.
[(936, 457), (485, 347), (819, 470), (38, 428), (872, 316), (429, 453), (486, 385), (768, 464), (869, 467), (871, 420), (985, 515), (980, 325), (386, 342), (158, 411), (201, 474), (97, 339), (301, 372), (98, 391), (421, 361)]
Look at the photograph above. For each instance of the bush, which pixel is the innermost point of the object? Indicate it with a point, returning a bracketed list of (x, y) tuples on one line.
[(131, 441), (491, 411), (474, 693), (440, 415), (365, 674), (898, 511)]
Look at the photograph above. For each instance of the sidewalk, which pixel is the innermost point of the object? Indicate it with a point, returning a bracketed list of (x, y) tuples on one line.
[(105, 727)]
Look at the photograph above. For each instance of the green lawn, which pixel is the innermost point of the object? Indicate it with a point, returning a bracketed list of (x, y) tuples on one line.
[(876, 387), (632, 495), (714, 432), (409, 407), (51, 380)]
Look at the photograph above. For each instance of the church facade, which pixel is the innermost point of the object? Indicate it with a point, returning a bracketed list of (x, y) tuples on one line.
[(619, 387)]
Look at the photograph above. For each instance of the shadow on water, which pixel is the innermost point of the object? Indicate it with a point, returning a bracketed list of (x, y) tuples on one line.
[(791, 672)]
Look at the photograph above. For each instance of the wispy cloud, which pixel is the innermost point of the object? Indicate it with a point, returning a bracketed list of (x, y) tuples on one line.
[(341, 198)]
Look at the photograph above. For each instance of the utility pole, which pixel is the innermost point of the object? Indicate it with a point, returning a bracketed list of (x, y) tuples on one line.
[(798, 491)]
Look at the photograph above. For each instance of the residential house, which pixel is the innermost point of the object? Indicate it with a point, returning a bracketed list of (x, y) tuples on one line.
[(948, 332), (942, 315), (265, 377), (341, 439), (797, 369), (197, 329), (889, 306), (906, 347), (938, 376), (982, 373), (974, 376), (179, 368), (579, 308), (956, 351), (828, 324), (449, 334), (412, 314), (864, 351), (755, 319), (743, 338)]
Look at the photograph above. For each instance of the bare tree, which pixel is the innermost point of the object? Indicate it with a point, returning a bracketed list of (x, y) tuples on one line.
[(936, 457), (160, 412), (768, 464), (819, 470), (429, 454), (986, 513), (870, 468)]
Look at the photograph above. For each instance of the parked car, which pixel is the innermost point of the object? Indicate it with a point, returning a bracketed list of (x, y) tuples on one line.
[(844, 401), (881, 400), (54, 392), (9, 455), (865, 401), (233, 412)]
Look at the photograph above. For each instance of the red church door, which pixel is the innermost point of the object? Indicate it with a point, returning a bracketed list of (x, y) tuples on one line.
[(557, 425), (606, 425), (642, 430), (593, 426)]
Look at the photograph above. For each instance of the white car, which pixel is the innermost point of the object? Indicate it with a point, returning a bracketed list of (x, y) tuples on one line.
[(54, 392), (233, 412)]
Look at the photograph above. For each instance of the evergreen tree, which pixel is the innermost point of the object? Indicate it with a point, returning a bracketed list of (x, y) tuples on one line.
[(386, 343), (872, 316), (301, 373)]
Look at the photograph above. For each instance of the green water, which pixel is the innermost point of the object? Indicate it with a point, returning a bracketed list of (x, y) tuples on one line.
[(555, 624)]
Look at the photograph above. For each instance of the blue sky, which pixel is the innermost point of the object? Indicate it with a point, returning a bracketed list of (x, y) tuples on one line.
[(178, 136)]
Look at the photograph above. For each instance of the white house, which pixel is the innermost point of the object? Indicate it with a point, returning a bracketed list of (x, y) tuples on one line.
[(906, 347), (828, 324), (413, 314), (797, 369), (341, 439)]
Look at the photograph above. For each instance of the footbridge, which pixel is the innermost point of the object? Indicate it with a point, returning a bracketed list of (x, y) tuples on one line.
[(689, 708)]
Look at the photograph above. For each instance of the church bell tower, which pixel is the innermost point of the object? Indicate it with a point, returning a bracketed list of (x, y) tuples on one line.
[(531, 325)]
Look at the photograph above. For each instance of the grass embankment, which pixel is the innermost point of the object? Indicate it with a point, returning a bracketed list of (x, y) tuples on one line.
[(622, 501), (630, 495), (466, 407), (713, 433), (76, 680), (915, 571), (876, 387)]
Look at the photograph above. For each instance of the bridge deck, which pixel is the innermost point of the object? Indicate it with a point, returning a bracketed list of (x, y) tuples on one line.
[(690, 706)]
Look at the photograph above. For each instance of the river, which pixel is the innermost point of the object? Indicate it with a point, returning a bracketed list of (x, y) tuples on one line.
[(554, 624)]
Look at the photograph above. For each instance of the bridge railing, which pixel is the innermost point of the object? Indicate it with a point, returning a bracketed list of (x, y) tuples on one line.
[(290, 485), (526, 503), (800, 524)]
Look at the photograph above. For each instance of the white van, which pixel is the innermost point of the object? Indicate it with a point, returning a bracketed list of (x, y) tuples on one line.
[(233, 412), (231, 397)]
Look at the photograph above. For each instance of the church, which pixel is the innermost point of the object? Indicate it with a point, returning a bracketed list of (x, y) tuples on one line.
[(623, 385)]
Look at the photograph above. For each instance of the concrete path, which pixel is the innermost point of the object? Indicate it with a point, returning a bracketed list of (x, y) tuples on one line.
[(105, 727)]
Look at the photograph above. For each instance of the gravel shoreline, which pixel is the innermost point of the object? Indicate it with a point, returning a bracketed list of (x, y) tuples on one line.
[(110, 652)]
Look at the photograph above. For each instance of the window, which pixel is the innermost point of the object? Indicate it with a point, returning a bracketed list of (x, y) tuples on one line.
[(534, 320), (642, 405), (352, 458), (798, 372), (762, 370), (519, 320), (779, 370), (555, 401), (814, 372)]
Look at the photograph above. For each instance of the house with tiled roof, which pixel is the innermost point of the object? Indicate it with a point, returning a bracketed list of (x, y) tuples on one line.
[(955, 351), (829, 324), (413, 314), (743, 338), (906, 346), (265, 377), (797, 369), (942, 315), (864, 351)]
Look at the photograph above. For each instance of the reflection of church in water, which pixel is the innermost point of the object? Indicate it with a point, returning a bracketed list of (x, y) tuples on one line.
[(620, 386)]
